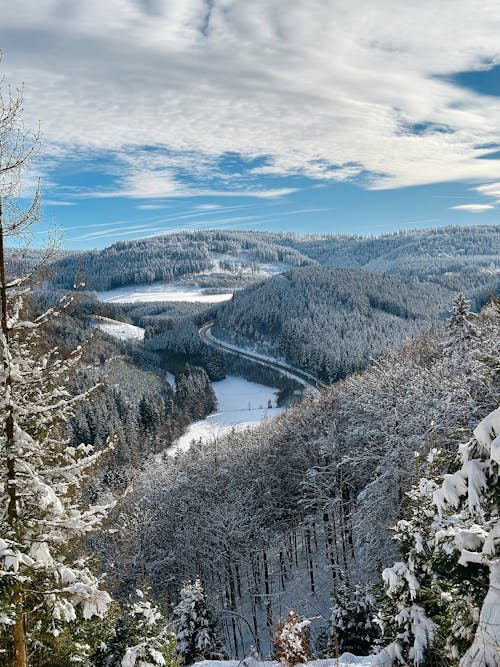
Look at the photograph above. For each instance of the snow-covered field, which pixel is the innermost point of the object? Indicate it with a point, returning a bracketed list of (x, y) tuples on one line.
[(161, 292), (246, 264), (120, 330), (345, 660), (241, 404)]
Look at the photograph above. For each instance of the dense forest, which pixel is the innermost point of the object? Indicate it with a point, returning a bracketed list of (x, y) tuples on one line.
[(461, 258), (293, 517), (331, 321), (297, 514)]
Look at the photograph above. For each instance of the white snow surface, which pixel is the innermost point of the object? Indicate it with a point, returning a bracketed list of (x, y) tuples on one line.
[(120, 330), (161, 292), (241, 404), (345, 660), (170, 378)]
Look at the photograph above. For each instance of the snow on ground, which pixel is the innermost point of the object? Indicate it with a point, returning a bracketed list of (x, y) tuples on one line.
[(161, 292), (120, 330), (345, 660), (170, 379), (247, 264), (241, 404)]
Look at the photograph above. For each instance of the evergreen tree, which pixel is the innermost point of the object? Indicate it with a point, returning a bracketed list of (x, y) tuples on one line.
[(351, 622), (153, 640), (439, 604), (194, 629), (46, 585), (461, 322)]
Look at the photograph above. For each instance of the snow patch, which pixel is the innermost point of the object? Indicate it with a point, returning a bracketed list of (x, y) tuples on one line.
[(240, 404), (161, 292), (120, 330), (345, 660)]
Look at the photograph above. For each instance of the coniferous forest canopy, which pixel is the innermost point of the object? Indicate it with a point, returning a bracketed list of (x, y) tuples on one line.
[(359, 515)]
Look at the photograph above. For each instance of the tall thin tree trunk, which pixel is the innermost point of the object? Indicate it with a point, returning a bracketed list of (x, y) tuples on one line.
[(19, 635), (267, 587), (309, 560)]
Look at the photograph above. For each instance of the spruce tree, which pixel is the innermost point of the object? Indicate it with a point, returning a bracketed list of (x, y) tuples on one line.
[(461, 323), (153, 640), (442, 601), (46, 583), (194, 628)]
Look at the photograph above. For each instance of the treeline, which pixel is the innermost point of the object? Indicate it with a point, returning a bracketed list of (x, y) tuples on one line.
[(295, 514), (461, 258), (331, 321), (157, 318)]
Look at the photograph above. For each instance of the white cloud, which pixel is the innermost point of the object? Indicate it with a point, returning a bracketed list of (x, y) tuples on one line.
[(56, 202), (490, 190), (163, 185), (324, 83), (472, 208)]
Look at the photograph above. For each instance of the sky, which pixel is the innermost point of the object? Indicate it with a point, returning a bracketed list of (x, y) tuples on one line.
[(312, 116)]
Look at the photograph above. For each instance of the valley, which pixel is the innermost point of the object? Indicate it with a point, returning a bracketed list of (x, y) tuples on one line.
[(249, 333), (274, 410)]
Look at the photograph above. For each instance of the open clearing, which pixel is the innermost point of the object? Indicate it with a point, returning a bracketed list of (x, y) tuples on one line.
[(241, 404), (161, 292)]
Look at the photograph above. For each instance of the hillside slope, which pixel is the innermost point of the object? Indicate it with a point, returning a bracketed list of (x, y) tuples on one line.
[(331, 321), (458, 257)]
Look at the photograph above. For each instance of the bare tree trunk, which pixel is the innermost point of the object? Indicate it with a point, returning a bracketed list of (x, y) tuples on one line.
[(20, 656), (19, 635), (309, 560), (267, 585)]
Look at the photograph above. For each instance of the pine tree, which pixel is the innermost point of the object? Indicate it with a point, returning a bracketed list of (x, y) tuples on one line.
[(45, 582), (439, 604), (351, 625), (409, 587), (194, 629), (461, 323), (154, 640)]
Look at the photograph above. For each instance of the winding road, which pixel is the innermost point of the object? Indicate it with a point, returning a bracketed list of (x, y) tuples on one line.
[(303, 378)]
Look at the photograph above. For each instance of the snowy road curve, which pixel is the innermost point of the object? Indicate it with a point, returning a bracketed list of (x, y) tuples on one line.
[(303, 378)]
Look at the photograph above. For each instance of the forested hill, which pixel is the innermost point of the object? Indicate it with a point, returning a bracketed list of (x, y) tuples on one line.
[(461, 258), (296, 515), (331, 321), (458, 257), (166, 258)]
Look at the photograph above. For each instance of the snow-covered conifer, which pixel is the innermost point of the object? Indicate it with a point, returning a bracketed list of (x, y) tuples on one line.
[(351, 622), (461, 322), (440, 601), (195, 631), (154, 640), (46, 583)]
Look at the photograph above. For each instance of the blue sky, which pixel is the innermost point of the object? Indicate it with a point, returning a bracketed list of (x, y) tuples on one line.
[(160, 115)]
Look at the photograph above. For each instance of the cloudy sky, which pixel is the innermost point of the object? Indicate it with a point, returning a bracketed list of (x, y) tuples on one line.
[(362, 116)]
